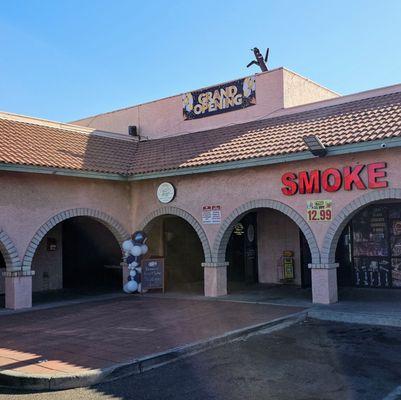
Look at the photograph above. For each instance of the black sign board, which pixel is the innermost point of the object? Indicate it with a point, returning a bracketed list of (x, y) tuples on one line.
[(219, 99), (153, 274)]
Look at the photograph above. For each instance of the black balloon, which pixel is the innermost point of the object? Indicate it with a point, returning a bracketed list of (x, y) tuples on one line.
[(130, 259)]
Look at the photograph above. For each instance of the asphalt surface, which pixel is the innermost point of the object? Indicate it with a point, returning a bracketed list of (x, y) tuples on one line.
[(312, 360)]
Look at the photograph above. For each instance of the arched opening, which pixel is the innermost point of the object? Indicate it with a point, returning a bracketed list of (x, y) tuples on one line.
[(368, 250), (266, 249), (79, 255), (175, 239)]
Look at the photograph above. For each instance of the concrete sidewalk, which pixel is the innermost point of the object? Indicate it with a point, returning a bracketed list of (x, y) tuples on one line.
[(83, 344)]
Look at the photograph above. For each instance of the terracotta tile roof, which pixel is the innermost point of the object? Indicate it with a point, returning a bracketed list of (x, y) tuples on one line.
[(47, 146), (350, 122), (67, 147)]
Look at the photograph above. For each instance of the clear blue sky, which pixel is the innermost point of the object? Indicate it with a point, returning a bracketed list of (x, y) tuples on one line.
[(68, 59)]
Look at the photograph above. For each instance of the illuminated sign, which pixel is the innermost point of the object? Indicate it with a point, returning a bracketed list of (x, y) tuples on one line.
[(219, 99), (334, 179)]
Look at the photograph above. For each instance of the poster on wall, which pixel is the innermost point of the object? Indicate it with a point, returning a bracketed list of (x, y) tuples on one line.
[(219, 99), (319, 210), (370, 233), (211, 214)]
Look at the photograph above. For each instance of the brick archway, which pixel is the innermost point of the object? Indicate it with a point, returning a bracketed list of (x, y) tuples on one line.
[(9, 252), (223, 235), (147, 224), (336, 227), (114, 226)]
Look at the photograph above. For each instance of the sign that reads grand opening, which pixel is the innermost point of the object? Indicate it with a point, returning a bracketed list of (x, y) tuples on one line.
[(219, 99)]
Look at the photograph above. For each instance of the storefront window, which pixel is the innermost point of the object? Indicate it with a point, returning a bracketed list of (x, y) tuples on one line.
[(376, 249)]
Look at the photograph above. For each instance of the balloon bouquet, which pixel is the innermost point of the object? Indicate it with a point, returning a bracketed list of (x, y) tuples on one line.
[(134, 249)]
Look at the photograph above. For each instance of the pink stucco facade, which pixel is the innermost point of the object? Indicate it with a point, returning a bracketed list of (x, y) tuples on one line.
[(232, 189), (30, 200), (275, 90), (32, 204)]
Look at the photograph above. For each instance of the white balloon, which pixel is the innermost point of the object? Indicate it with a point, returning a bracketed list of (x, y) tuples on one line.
[(132, 286), (134, 264), (136, 251), (125, 288), (132, 273), (139, 270), (144, 249), (127, 246)]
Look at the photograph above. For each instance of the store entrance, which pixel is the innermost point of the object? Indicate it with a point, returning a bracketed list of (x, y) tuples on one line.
[(174, 239), (242, 253), (369, 248)]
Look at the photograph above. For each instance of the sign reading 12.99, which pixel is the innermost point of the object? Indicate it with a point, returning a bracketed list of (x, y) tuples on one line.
[(319, 210)]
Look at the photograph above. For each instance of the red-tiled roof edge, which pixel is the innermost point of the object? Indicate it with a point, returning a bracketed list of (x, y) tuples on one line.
[(62, 126), (165, 154), (295, 111)]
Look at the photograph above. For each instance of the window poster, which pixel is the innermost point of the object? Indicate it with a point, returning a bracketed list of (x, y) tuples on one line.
[(372, 272), (396, 272), (377, 247), (372, 267), (370, 233), (396, 247)]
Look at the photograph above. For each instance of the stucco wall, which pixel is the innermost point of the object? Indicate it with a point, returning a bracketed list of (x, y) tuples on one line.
[(27, 201), (275, 90), (299, 90), (48, 265), (276, 233), (231, 189)]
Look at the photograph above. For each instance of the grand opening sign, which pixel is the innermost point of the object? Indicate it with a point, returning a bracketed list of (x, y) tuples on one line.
[(219, 99), (360, 177)]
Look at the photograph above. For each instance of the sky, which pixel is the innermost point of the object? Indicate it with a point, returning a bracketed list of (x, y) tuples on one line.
[(65, 60)]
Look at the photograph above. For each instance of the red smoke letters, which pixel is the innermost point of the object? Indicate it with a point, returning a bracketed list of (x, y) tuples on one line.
[(333, 179)]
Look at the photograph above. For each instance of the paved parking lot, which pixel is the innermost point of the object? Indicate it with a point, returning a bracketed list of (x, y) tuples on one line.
[(312, 360)]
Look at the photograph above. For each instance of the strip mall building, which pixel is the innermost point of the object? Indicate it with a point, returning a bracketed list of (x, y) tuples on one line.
[(248, 202)]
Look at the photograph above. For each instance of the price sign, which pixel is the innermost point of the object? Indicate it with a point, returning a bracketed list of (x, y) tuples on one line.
[(319, 210)]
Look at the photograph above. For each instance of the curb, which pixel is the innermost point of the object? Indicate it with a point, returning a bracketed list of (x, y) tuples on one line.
[(15, 380), (355, 318)]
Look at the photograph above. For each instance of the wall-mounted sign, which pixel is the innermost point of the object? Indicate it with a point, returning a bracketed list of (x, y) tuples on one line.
[(360, 176), (211, 214), (165, 192), (319, 210), (219, 99)]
